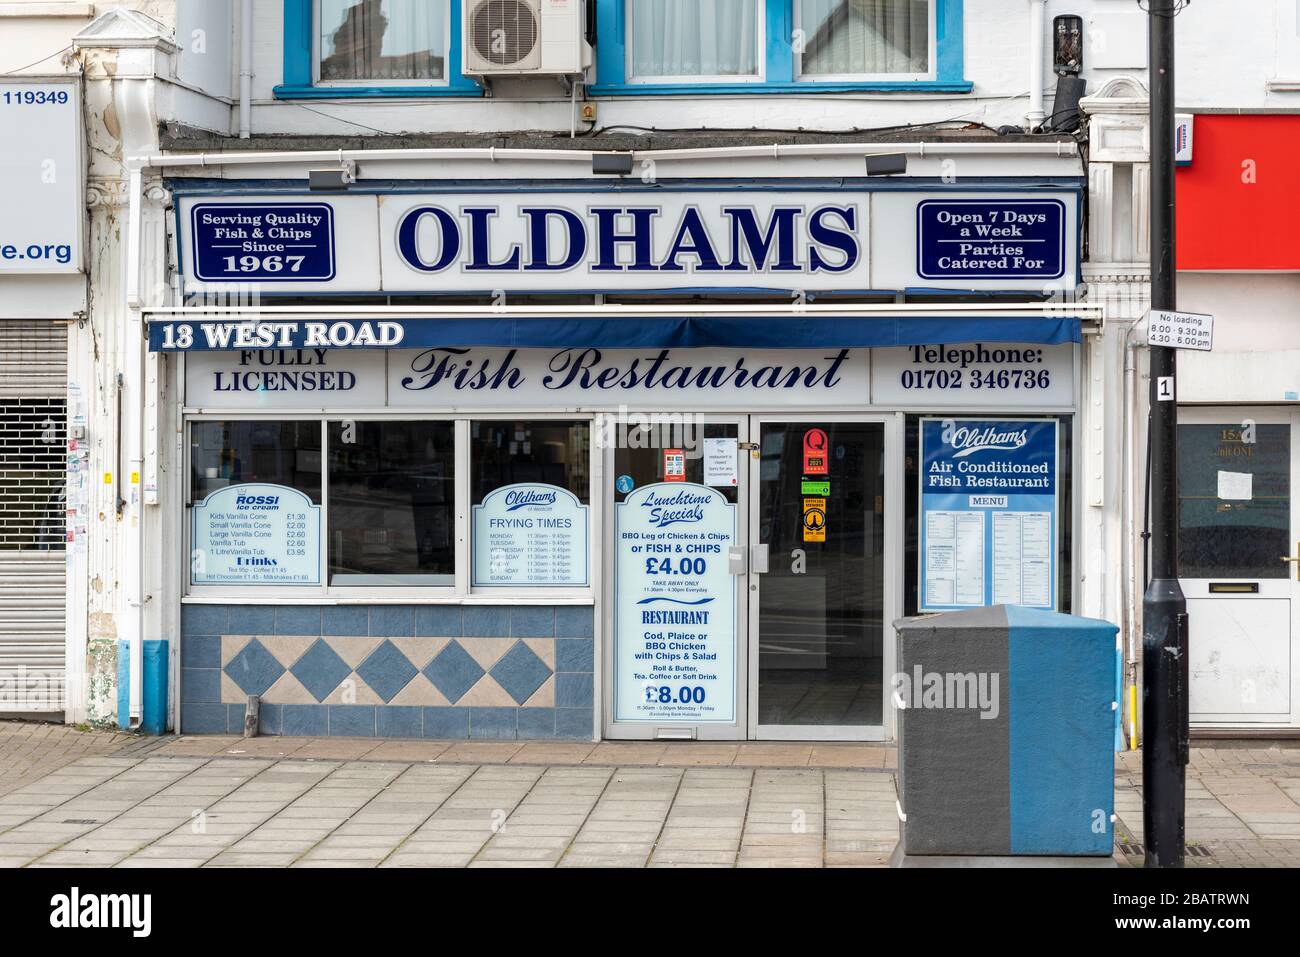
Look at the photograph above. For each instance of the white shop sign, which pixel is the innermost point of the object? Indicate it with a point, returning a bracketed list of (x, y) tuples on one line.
[(255, 534), (974, 375), (41, 177), (275, 379), (530, 534), (634, 237), (675, 605)]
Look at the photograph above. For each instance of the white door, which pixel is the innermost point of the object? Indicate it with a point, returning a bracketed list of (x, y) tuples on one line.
[(1239, 538)]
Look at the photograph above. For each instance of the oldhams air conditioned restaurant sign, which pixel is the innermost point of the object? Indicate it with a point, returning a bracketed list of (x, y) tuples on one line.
[(833, 238), (992, 376)]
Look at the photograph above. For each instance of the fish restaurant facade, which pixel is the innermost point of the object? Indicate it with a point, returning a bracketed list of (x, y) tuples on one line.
[(554, 456)]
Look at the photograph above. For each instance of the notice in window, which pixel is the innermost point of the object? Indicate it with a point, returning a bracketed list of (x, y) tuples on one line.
[(675, 605), (988, 513), (530, 534), (256, 535)]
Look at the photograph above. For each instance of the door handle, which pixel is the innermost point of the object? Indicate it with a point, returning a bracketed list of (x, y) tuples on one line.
[(758, 555), (736, 560), (1294, 560)]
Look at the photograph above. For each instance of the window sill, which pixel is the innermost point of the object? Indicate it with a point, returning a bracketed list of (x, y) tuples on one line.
[(373, 92), (512, 598), (751, 89)]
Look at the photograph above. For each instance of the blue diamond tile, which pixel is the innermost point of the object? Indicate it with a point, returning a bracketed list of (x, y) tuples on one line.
[(254, 669), (520, 672), (453, 672), (320, 670), (387, 671)]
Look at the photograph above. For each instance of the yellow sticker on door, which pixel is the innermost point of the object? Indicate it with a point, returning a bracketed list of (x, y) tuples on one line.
[(814, 520)]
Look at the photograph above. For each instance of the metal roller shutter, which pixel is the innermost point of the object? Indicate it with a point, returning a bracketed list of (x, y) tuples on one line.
[(33, 462)]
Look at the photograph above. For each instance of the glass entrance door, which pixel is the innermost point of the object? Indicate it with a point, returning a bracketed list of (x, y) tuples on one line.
[(817, 579), (677, 612)]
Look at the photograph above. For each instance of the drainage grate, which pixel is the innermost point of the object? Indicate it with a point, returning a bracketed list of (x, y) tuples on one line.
[(1137, 850)]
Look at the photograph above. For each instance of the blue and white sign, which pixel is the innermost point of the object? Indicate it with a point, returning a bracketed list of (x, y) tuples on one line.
[(256, 534), (990, 239), (989, 508), (819, 236), (530, 534), (674, 606), (262, 242)]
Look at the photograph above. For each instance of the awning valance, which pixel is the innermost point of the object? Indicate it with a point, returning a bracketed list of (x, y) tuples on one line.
[(183, 333)]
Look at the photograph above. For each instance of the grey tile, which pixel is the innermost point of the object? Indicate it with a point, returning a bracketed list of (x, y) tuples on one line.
[(392, 621), (298, 620), (350, 621), (520, 672), (532, 621), (574, 654), (252, 620), (205, 620), (438, 621), (493, 723), (446, 722), (486, 621), (574, 621)]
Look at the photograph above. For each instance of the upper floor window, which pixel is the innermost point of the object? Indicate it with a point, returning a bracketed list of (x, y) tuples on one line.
[(694, 39), (863, 38), (760, 46), (369, 48), (381, 41)]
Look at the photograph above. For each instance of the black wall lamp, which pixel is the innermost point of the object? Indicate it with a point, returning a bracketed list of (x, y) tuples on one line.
[(616, 164), (886, 164)]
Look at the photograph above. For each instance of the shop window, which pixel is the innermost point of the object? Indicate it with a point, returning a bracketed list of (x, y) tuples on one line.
[(343, 48), (1064, 511), (227, 453), (392, 515), (765, 46), (530, 485), (255, 503)]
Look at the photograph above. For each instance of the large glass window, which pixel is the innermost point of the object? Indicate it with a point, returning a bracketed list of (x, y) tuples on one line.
[(849, 38), (530, 485), (381, 40), (392, 515), (694, 38), (265, 453), (358, 503), (511, 452)]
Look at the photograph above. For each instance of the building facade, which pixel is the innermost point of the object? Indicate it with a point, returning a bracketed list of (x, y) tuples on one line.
[(619, 369)]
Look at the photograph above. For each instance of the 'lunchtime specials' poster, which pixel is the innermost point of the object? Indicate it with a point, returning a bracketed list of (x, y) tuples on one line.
[(988, 513), (675, 608)]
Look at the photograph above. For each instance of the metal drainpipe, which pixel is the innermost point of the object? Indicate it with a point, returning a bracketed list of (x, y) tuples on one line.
[(245, 69), (1037, 46)]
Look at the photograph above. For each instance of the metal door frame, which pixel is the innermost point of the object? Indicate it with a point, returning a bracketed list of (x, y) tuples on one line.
[(650, 730), (893, 424)]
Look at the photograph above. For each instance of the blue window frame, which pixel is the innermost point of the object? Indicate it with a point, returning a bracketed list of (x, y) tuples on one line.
[(778, 61), (300, 76)]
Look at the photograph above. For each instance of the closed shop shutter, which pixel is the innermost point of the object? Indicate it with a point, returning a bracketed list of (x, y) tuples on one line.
[(33, 457)]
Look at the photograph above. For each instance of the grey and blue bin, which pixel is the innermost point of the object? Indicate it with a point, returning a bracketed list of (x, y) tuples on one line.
[(1006, 730)]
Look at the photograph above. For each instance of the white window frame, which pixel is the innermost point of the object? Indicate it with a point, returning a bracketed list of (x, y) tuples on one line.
[(374, 593), (447, 65), (932, 55), (760, 56)]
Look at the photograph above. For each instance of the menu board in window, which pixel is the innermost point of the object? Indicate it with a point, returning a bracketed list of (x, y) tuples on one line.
[(530, 534)]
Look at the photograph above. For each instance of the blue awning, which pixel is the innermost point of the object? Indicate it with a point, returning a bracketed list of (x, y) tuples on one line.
[(184, 334)]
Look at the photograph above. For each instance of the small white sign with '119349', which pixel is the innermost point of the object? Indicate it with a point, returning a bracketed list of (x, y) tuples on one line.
[(1180, 330)]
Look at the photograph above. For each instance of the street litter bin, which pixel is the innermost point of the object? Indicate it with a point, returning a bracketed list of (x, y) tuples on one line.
[(1006, 730)]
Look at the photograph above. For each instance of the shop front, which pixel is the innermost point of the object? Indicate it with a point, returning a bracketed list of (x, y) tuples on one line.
[(634, 517)]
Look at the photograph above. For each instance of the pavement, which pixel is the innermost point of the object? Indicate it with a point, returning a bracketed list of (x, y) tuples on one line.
[(97, 799)]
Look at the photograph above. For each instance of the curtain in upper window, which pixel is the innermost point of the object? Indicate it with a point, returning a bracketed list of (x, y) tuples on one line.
[(382, 39), (678, 38), (857, 37)]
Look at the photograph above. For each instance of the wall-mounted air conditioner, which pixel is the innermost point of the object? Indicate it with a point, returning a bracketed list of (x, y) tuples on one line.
[(525, 38)]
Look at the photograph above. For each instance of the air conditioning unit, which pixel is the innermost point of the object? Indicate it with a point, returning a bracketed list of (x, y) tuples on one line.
[(525, 37)]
